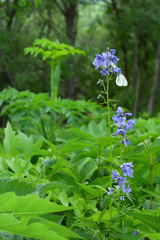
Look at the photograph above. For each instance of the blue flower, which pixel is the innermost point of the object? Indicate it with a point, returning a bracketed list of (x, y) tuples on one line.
[(121, 121), (122, 141), (110, 190), (113, 51), (127, 170), (107, 61), (99, 61), (115, 175), (117, 70), (127, 190), (104, 72), (119, 111), (128, 114), (136, 232), (115, 118), (129, 164), (123, 125), (130, 124), (127, 142), (122, 182), (122, 198), (121, 131), (113, 59)]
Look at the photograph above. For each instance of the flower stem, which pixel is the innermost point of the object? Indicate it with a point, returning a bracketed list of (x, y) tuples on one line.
[(119, 204), (110, 137), (110, 144)]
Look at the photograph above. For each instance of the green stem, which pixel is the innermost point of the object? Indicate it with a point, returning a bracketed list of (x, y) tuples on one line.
[(51, 80), (151, 175), (101, 215), (110, 135), (43, 128), (110, 144), (120, 152), (119, 204), (99, 159), (110, 141)]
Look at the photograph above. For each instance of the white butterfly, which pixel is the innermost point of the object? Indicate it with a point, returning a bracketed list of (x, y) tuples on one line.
[(121, 80)]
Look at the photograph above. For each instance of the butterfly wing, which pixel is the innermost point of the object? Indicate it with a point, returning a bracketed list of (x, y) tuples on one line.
[(121, 80)]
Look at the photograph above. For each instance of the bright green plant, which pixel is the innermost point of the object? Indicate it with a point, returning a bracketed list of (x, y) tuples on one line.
[(54, 53)]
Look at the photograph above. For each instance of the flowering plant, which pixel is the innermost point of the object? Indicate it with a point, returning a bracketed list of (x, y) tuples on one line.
[(107, 63)]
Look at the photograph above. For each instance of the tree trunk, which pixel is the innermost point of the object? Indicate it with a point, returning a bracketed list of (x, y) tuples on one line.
[(143, 85), (125, 59), (69, 8), (137, 78), (155, 81), (71, 17), (7, 71), (123, 45), (11, 12)]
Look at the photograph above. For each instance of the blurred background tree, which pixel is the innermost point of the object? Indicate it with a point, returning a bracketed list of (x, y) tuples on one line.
[(131, 27)]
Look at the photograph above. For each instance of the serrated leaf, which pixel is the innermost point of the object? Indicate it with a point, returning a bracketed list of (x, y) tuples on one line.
[(10, 140), (20, 188), (8, 223), (28, 205), (147, 218)]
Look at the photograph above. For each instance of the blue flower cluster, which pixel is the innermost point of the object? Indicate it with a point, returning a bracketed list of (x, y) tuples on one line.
[(122, 181), (136, 232), (107, 62), (123, 126)]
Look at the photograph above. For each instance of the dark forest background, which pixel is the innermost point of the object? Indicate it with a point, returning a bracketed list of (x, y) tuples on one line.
[(131, 27)]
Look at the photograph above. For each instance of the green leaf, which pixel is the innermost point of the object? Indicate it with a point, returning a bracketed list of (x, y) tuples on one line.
[(29, 205), (153, 236), (88, 170), (89, 189), (158, 159), (75, 145), (150, 219), (19, 187), (10, 141), (63, 198), (8, 223)]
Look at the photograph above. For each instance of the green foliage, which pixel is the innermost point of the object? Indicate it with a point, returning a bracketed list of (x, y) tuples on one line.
[(151, 219), (35, 113), (55, 52), (24, 216), (56, 187), (51, 50)]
